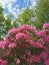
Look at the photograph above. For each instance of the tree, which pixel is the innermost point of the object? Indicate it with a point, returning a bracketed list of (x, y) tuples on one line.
[(8, 22), (36, 17), (42, 12), (26, 17), (5, 24), (2, 22)]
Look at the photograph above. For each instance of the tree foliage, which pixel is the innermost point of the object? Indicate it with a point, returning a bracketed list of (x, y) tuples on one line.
[(42, 12), (36, 17), (5, 23), (26, 17)]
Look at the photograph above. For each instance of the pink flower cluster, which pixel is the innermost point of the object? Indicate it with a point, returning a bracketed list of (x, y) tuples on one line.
[(3, 62), (23, 28), (25, 45), (45, 26)]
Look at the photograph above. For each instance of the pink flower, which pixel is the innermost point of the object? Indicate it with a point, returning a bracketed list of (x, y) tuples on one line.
[(19, 35), (46, 25), (46, 38), (26, 27), (7, 53), (29, 54), (3, 62), (38, 45), (31, 40), (24, 36), (44, 55), (31, 60), (1, 45), (34, 58), (12, 45), (21, 28), (13, 30), (41, 33), (18, 61), (47, 61), (31, 28), (5, 43)]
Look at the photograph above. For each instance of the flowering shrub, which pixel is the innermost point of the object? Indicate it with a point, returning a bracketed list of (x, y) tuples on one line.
[(25, 46)]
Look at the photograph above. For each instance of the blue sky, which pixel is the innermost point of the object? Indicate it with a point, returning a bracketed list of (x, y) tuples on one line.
[(15, 6)]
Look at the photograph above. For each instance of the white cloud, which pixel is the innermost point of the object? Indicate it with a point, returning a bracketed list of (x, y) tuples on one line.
[(33, 2), (8, 4)]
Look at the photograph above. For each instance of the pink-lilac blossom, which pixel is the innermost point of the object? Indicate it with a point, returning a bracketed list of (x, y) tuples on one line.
[(12, 45), (46, 25)]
